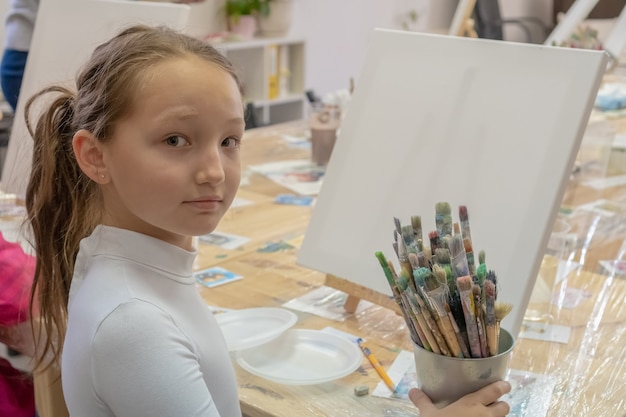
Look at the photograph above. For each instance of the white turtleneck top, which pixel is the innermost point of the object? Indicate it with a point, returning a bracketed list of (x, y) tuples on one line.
[(140, 341)]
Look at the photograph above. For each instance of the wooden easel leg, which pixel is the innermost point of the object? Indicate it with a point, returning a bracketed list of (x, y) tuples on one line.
[(351, 303)]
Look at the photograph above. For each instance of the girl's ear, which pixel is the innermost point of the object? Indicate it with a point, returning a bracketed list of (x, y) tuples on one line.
[(88, 151)]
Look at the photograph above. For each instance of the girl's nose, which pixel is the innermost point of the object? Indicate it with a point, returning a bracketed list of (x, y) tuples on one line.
[(210, 167)]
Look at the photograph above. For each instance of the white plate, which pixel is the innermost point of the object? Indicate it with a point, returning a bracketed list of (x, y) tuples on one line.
[(302, 357), (247, 328)]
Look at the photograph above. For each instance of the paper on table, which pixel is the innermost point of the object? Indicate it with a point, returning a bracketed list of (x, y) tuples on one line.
[(214, 276), (604, 207), (300, 176), (530, 392), (603, 183), (224, 240), (545, 331)]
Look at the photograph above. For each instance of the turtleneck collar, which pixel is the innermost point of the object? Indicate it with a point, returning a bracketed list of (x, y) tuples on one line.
[(151, 252)]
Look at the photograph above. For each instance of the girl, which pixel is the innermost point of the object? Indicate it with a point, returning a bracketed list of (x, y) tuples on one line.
[(144, 155)]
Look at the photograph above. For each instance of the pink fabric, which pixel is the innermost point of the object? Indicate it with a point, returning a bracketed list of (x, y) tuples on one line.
[(16, 278), (17, 396)]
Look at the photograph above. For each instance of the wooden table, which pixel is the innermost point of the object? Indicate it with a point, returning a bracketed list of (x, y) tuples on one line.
[(590, 370)]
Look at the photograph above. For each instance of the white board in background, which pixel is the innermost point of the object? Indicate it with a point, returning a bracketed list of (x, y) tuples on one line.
[(574, 16), (616, 42), (488, 124), (66, 33)]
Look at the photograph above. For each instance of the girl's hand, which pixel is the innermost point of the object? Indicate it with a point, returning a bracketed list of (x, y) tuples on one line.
[(482, 403)]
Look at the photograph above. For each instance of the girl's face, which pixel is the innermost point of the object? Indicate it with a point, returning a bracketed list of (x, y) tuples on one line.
[(173, 163)]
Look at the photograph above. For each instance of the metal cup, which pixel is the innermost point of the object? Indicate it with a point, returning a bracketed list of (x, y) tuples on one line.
[(446, 379)]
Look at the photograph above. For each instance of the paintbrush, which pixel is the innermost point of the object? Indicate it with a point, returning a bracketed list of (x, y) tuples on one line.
[(396, 222), (420, 275), (457, 312), (390, 275), (491, 276), (409, 239), (410, 298), (433, 238), (480, 321), (481, 258), (429, 317), (422, 260), (458, 263), (427, 310), (416, 224), (438, 296), (457, 332), (414, 261), (440, 274), (469, 254), (464, 285), (403, 288), (443, 260), (403, 255), (443, 218), (490, 317), (502, 310), (465, 225)]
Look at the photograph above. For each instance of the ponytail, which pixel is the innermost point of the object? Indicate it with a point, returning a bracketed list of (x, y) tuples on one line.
[(61, 211)]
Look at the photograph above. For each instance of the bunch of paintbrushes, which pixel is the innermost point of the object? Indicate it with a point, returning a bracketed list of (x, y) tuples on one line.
[(448, 302)]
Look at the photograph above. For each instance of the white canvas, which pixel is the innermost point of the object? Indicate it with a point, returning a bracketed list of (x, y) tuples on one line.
[(66, 33), (488, 124)]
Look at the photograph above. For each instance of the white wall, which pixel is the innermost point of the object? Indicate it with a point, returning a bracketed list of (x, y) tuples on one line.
[(337, 31)]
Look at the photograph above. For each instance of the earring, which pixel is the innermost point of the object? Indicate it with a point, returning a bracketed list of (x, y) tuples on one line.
[(102, 176)]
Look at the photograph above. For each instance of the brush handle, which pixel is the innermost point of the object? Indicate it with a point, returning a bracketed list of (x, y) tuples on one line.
[(409, 323), (470, 323), (497, 334), (482, 336), (459, 265), (438, 300), (448, 333), (459, 336), (490, 313), (421, 323), (471, 265), (434, 328), (492, 339), (425, 344)]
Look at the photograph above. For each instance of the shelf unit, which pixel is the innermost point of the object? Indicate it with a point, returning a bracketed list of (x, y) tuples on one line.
[(257, 61)]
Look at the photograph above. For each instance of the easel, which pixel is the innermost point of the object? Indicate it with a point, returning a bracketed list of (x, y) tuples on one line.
[(357, 292), (462, 22)]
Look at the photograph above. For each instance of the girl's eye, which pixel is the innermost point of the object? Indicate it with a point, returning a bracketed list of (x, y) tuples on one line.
[(230, 143), (177, 141)]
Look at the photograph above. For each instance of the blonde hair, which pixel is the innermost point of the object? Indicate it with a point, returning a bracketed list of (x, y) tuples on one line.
[(62, 203)]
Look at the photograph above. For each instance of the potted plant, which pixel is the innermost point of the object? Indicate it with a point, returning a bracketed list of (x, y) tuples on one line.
[(274, 17), (241, 16)]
